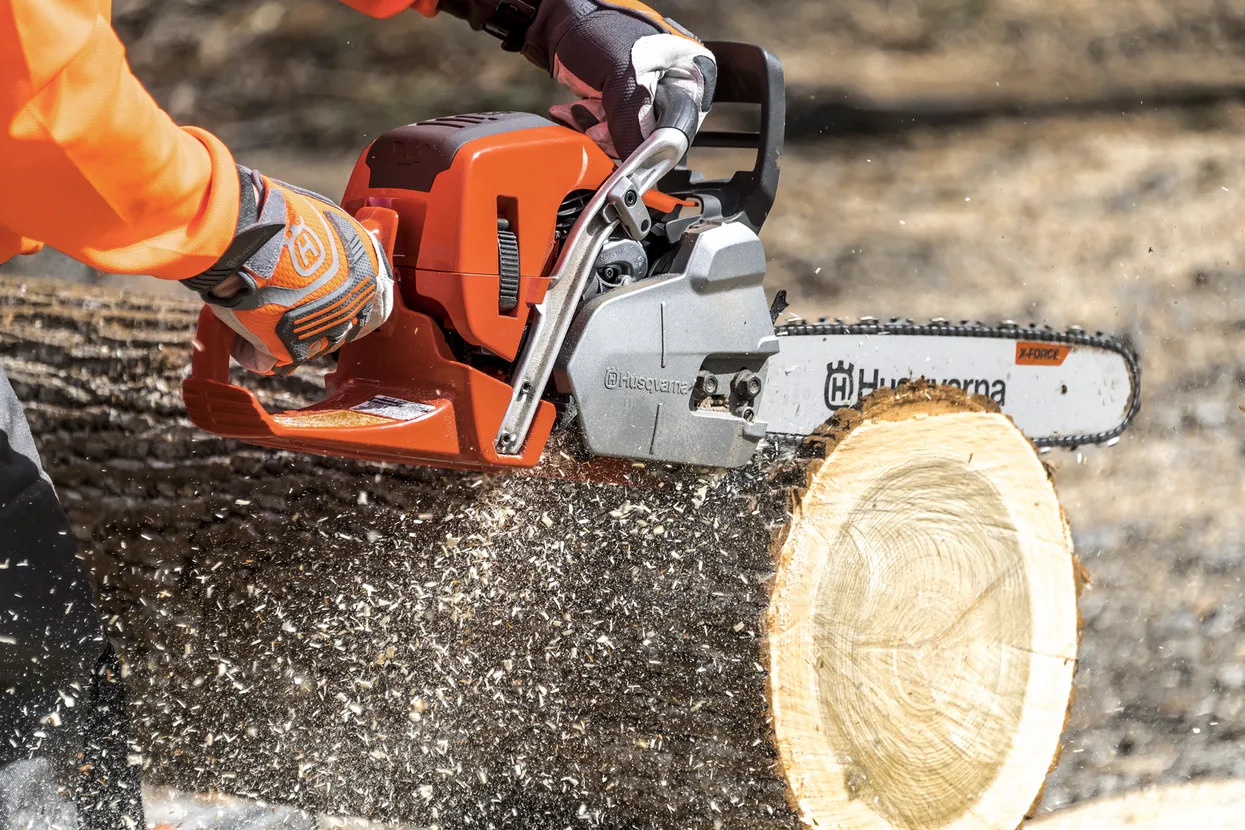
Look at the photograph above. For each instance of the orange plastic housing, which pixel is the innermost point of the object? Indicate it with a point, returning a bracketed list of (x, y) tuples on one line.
[(437, 212), (447, 245)]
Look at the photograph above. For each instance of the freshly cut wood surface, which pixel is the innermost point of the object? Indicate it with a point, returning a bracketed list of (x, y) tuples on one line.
[(922, 634)]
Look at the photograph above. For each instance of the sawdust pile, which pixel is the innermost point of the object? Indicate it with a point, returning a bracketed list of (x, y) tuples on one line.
[(486, 651)]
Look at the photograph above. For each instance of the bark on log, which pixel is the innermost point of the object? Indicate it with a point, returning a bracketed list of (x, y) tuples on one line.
[(463, 650)]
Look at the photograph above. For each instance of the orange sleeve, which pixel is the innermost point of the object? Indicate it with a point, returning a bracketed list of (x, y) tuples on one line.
[(12, 245), (388, 8), (89, 164)]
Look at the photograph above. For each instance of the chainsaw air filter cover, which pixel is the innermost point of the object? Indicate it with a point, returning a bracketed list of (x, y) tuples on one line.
[(477, 198)]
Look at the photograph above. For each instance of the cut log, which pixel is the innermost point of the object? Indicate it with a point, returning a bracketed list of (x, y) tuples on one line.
[(922, 633), (458, 650)]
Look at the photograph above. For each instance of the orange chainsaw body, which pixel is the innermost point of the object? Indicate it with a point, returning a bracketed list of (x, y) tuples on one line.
[(438, 195), (473, 211)]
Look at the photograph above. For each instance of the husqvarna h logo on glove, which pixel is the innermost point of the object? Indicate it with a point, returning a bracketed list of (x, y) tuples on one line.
[(306, 250)]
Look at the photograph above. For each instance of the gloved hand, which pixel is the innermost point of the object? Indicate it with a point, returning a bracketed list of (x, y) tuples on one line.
[(300, 279), (613, 53)]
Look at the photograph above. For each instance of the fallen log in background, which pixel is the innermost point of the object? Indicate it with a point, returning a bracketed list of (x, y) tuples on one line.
[(465, 650)]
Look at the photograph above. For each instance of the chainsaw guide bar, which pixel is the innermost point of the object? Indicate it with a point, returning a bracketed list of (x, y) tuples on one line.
[(852, 369)]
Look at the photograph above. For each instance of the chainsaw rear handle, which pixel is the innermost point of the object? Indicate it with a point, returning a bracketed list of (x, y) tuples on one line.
[(214, 402)]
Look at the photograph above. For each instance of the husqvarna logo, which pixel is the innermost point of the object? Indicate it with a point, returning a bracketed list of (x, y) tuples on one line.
[(614, 379), (840, 384), (306, 250)]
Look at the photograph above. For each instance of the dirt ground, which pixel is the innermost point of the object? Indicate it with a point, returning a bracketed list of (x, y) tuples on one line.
[(1132, 225)]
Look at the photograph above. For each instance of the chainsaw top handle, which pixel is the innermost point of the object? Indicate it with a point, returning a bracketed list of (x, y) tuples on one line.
[(747, 74)]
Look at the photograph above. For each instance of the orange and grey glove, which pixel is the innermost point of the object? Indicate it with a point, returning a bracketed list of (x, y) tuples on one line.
[(611, 53), (300, 279)]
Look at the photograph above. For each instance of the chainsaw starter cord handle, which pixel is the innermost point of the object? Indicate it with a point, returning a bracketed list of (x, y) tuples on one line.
[(674, 109)]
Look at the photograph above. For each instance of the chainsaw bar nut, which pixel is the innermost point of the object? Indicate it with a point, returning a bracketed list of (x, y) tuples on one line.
[(706, 385), (746, 385)]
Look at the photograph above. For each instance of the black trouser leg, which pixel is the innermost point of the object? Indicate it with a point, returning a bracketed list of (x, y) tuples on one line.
[(63, 740)]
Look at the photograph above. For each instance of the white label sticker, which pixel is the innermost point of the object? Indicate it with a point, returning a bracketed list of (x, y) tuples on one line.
[(395, 408)]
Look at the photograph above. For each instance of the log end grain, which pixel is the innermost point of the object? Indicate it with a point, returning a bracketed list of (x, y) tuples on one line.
[(922, 632)]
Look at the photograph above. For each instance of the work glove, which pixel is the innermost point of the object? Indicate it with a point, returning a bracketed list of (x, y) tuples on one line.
[(613, 54), (300, 279)]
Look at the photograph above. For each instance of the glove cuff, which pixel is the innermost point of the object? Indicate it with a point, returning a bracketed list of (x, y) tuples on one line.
[(249, 237), (506, 20)]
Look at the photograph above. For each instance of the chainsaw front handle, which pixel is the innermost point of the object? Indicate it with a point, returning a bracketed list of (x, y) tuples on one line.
[(619, 201), (676, 110)]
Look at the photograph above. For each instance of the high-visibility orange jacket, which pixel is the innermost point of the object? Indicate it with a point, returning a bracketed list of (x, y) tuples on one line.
[(90, 165)]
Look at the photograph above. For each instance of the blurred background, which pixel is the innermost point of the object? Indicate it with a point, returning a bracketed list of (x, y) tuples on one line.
[(1069, 161), (299, 87)]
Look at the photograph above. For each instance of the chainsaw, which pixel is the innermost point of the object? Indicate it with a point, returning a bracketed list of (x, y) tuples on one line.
[(540, 286)]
